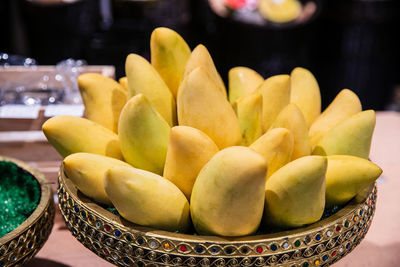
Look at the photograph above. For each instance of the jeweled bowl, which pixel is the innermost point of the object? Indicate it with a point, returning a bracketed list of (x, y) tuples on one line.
[(125, 244), (20, 245)]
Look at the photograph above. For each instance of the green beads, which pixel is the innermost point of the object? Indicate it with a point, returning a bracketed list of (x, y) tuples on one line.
[(19, 196)]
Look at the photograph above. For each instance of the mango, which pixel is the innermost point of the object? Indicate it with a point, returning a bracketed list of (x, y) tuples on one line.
[(352, 136), (228, 195), (292, 119), (248, 110), (123, 81), (144, 79), (280, 11), (87, 170), (202, 106), (143, 134), (276, 146), (304, 92), (69, 135), (346, 176), (169, 54), (242, 81), (295, 194), (147, 199), (345, 105), (276, 95), (200, 57), (188, 151), (103, 98)]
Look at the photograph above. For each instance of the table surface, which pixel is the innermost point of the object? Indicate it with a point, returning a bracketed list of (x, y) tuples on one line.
[(380, 247)]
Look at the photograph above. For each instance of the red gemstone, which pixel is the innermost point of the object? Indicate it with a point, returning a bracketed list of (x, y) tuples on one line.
[(259, 249), (182, 248), (338, 228), (334, 254), (106, 251), (107, 228)]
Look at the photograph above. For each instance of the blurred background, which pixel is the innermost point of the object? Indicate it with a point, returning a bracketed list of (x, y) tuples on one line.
[(345, 43)]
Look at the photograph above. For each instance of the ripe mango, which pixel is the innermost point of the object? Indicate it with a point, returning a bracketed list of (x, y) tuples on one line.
[(147, 199), (276, 146), (103, 98), (188, 150), (202, 106), (304, 92), (144, 79), (200, 57), (169, 54), (276, 95), (69, 134), (143, 134), (292, 119), (346, 176), (242, 81), (352, 136), (248, 110), (345, 105), (280, 11), (87, 170), (228, 195), (295, 194)]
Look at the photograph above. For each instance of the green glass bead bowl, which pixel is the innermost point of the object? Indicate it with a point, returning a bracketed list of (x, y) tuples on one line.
[(126, 244), (21, 244)]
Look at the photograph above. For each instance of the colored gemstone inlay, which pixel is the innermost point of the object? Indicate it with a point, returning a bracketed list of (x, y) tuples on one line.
[(153, 244), (318, 237), (76, 209), (305, 264), (317, 262), (355, 218), (126, 260), (346, 224), (274, 247), (228, 250), (259, 249), (30, 244), (214, 250), (244, 250), (107, 228), (117, 233), (297, 243), (140, 241), (182, 248), (328, 233), (334, 254), (83, 214), (338, 228), (285, 245), (167, 245), (98, 224), (347, 245), (307, 239), (128, 238), (360, 212), (199, 249), (325, 257), (140, 264), (106, 251), (96, 245), (13, 257)]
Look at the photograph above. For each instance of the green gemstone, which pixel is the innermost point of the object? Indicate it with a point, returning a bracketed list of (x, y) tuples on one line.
[(297, 243), (346, 224)]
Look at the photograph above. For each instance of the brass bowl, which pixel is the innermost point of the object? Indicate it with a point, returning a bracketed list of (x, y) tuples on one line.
[(125, 244), (20, 245)]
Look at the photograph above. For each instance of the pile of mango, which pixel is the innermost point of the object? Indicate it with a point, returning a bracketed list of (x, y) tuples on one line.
[(169, 148)]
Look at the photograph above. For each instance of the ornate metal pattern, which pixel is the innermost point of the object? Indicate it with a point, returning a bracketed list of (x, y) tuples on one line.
[(125, 244), (22, 244)]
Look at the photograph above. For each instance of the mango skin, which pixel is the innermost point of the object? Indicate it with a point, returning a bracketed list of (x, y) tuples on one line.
[(169, 54), (202, 106), (345, 105), (352, 136), (228, 195), (295, 194), (143, 134), (144, 79), (292, 119), (242, 81), (276, 146), (103, 98), (69, 135), (305, 93), (346, 176), (87, 170), (189, 149), (147, 199), (276, 96)]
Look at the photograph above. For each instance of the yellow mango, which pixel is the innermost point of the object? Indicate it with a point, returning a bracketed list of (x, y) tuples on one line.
[(292, 119), (123, 81), (188, 150), (144, 79), (352, 136), (169, 54), (248, 110), (143, 134), (147, 199), (276, 95), (228, 195), (103, 98), (242, 81), (276, 146), (202, 106), (280, 11), (304, 92), (69, 134), (295, 194), (200, 57), (87, 170), (346, 176), (345, 105)]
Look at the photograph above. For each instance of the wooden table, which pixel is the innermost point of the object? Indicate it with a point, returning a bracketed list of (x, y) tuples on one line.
[(380, 247)]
